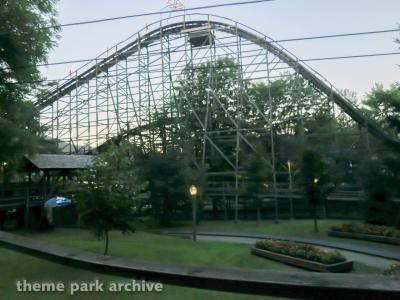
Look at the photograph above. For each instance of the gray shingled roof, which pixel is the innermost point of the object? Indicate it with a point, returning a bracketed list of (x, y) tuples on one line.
[(60, 161)]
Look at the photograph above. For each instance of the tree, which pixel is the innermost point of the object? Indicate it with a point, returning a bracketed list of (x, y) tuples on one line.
[(380, 104), (256, 176), (208, 91), (169, 175), (379, 207), (313, 178), (214, 83), (112, 192), (293, 102), (27, 32), (383, 168)]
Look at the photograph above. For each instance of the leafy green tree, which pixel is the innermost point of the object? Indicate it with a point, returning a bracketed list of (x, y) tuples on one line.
[(169, 175), (379, 207), (383, 168), (27, 32), (302, 119), (291, 100), (313, 179), (213, 83), (111, 192), (208, 95), (256, 176), (380, 104)]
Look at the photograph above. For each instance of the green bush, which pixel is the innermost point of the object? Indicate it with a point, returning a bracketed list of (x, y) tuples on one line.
[(368, 229), (397, 225), (301, 251), (379, 207), (393, 270)]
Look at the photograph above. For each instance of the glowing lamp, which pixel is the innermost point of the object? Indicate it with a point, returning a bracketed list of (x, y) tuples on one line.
[(193, 190)]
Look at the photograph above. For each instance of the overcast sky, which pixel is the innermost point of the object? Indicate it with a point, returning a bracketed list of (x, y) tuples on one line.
[(280, 19)]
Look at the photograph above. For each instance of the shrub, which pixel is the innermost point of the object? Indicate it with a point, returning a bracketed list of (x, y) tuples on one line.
[(368, 229), (379, 207), (301, 251), (393, 270), (397, 225)]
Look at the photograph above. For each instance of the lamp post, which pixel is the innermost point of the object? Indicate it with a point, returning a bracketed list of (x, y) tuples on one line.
[(314, 200), (2, 167), (193, 194), (289, 164)]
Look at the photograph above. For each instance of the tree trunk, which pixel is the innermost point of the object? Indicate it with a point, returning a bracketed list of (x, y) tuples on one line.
[(214, 208), (315, 218), (225, 203), (2, 219), (107, 240), (258, 204)]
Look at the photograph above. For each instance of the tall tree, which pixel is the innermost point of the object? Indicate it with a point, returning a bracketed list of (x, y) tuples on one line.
[(290, 101), (256, 176), (169, 175), (314, 178), (382, 174), (27, 32), (207, 95), (383, 168), (379, 185), (111, 192), (380, 104)]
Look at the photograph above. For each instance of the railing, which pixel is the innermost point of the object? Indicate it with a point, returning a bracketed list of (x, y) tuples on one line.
[(23, 195)]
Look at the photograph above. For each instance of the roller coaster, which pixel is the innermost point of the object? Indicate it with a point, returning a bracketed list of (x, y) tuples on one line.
[(123, 92)]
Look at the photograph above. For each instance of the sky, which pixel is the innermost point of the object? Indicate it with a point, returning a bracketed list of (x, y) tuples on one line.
[(279, 19)]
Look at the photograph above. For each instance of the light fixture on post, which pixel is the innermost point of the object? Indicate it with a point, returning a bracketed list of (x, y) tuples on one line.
[(289, 164), (193, 194), (3, 165)]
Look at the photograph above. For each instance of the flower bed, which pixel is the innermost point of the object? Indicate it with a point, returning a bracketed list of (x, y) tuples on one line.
[(376, 233), (393, 270), (301, 251), (368, 229), (304, 256)]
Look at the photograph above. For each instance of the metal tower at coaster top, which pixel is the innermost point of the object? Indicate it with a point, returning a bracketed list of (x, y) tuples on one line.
[(124, 90)]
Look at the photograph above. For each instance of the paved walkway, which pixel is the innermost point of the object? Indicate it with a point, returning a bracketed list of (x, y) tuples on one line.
[(285, 284), (393, 255), (367, 259)]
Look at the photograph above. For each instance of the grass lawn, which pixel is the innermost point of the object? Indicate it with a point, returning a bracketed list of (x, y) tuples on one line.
[(172, 250), (141, 246), (17, 266), (287, 228), (164, 249)]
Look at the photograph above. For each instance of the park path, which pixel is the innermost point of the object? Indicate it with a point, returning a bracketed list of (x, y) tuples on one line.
[(283, 284), (361, 254)]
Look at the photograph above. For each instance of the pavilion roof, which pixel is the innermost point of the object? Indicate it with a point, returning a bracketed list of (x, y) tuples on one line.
[(60, 161)]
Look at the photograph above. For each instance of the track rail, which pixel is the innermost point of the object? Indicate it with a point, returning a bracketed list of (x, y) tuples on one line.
[(321, 83)]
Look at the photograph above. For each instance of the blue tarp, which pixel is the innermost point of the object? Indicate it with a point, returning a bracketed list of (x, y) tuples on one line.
[(57, 201)]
